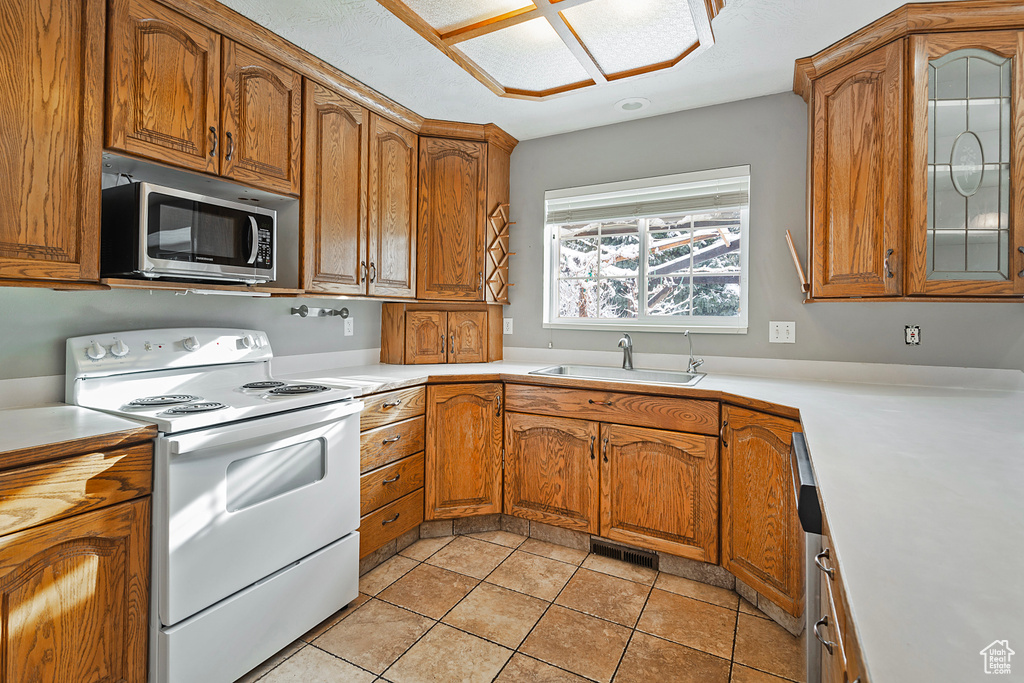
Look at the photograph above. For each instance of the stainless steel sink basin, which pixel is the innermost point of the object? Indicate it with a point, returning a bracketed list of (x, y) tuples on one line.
[(683, 379)]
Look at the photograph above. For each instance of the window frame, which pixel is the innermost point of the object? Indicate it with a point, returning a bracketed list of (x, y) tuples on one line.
[(646, 323)]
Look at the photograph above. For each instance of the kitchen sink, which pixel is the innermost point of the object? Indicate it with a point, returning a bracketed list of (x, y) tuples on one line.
[(683, 379)]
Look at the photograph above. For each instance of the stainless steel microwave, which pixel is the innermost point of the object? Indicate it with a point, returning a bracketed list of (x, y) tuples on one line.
[(160, 232)]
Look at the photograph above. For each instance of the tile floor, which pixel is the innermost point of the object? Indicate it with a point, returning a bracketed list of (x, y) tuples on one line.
[(495, 606)]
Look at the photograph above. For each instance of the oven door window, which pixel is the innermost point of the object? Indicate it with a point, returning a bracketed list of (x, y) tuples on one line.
[(258, 478), (197, 232)]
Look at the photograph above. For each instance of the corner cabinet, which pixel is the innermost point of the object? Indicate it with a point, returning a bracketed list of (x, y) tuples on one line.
[(440, 333), (52, 58), (463, 454), (762, 542), (917, 157)]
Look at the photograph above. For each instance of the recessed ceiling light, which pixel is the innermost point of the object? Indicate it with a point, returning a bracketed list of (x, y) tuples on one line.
[(633, 104)]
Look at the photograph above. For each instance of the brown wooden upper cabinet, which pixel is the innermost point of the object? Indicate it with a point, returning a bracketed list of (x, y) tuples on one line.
[(179, 93), (762, 542), (463, 450), (393, 173), (52, 55), (452, 215), (917, 156)]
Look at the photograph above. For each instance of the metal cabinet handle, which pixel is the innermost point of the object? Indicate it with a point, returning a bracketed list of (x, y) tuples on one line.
[(392, 439), (721, 433), (443, 338), (888, 270), (604, 449), (391, 404), (366, 270), (497, 412), (213, 141), (817, 634), (231, 147), (392, 480), (399, 514), (1021, 273), (821, 565), (480, 284), (373, 271), (592, 439), (598, 403)]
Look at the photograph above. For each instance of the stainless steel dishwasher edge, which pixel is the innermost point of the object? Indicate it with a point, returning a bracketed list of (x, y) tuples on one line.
[(805, 490)]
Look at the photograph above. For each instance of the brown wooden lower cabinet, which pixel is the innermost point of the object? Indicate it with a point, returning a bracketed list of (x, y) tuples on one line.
[(76, 597), (762, 542), (463, 452), (440, 333), (551, 470), (390, 522)]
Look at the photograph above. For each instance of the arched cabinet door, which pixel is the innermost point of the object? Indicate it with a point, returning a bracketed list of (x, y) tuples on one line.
[(393, 187)]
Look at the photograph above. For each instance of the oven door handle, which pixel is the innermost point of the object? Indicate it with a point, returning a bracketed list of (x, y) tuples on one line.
[(254, 239)]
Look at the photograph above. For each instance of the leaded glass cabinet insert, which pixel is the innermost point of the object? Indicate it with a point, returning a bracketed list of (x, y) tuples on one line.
[(969, 186)]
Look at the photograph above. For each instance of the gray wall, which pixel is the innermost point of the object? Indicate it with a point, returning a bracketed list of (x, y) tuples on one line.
[(770, 134), (34, 323)]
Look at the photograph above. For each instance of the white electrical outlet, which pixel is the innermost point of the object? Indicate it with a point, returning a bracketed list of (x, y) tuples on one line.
[(506, 326), (912, 335), (782, 332), (350, 327)]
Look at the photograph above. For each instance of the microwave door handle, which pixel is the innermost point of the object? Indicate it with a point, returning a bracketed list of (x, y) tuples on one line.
[(254, 238)]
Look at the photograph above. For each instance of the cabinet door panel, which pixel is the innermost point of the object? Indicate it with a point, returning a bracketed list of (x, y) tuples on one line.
[(262, 119), (163, 86), (467, 337), (426, 337), (857, 181), (463, 454), (551, 470), (334, 249), (393, 170), (451, 219), (76, 598), (659, 490), (762, 542), (51, 56)]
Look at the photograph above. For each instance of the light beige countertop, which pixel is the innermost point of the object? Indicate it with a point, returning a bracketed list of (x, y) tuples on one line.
[(923, 487)]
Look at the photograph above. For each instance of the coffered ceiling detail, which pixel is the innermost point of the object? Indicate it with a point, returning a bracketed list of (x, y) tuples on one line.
[(535, 50)]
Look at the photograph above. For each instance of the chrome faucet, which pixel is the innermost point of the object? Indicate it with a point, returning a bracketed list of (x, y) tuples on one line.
[(694, 363), (626, 344)]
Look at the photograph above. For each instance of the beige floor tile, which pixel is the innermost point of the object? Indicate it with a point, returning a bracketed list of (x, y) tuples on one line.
[(446, 654), (532, 574), (748, 608), (330, 621), (425, 547), (689, 622), (605, 596), (650, 659), (579, 643), (469, 556), (428, 590), (743, 674), (623, 570), (379, 578), (311, 665), (763, 644), (509, 540), (497, 614), (697, 590), (523, 669), (272, 662), (554, 551), (375, 635)]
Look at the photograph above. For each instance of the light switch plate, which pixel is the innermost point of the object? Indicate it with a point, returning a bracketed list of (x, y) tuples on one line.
[(350, 327), (781, 332), (506, 325)]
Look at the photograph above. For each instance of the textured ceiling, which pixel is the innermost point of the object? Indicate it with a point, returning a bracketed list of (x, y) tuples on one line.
[(756, 43)]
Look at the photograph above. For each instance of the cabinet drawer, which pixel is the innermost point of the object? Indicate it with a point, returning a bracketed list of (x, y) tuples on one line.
[(638, 410), (384, 445), (391, 521), (32, 495), (382, 486), (384, 409)]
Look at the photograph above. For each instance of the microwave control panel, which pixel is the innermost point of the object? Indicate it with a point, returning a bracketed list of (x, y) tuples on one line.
[(265, 249)]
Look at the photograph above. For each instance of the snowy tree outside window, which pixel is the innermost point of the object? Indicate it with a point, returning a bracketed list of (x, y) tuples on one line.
[(655, 254)]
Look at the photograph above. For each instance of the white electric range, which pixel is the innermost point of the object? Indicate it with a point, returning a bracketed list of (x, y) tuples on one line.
[(255, 492)]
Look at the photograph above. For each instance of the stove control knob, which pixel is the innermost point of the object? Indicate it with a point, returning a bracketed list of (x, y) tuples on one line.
[(95, 351), (246, 341), (190, 343), (119, 349)]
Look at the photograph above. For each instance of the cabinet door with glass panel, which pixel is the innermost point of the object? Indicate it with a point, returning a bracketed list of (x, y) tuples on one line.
[(966, 165)]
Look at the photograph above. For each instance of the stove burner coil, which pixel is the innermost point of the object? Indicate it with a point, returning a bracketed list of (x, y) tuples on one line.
[(267, 384), (296, 389), (168, 400), (203, 407)]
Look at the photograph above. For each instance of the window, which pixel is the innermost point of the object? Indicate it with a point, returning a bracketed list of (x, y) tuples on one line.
[(656, 254)]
